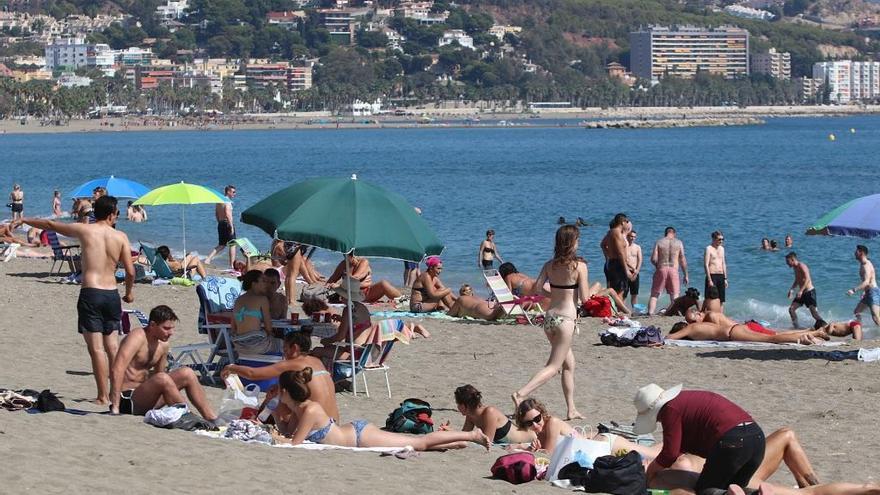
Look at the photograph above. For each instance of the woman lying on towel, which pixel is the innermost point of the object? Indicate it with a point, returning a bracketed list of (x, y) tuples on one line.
[(470, 306), (781, 446), (488, 419), (742, 332), (314, 425)]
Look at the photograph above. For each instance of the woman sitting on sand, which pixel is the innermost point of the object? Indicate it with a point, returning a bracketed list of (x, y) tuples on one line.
[(428, 292), (251, 321), (360, 269), (190, 265), (467, 305), (314, 425), (682, 304), (488, 419)]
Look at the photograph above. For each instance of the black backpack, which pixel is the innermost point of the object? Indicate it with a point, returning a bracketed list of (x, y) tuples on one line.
[(610, 474), (413, 416)]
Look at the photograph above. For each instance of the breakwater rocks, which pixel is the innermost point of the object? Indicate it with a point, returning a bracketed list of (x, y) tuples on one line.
[(668, 123)]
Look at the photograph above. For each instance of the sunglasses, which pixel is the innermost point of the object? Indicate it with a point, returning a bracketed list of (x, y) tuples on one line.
[(534, 421), (720, 239)]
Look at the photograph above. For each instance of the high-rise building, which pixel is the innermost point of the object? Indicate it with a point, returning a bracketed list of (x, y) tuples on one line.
[(73, 53), (683, 51), (339, 23), (776, 64), (849, 81)]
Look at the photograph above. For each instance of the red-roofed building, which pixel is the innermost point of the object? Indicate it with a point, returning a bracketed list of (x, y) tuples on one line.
[(288, 19), (4, 71)]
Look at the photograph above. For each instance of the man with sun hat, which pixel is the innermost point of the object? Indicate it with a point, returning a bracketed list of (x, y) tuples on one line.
[(705, 424)]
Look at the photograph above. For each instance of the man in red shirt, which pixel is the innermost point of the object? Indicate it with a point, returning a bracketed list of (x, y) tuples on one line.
[(704, 424)]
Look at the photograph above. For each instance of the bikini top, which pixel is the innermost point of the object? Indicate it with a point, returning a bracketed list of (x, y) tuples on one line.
[(317, 435), (572, 286), (488, 250), (244, 311)]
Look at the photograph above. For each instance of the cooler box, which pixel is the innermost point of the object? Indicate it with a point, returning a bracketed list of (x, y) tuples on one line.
[(258, 361)]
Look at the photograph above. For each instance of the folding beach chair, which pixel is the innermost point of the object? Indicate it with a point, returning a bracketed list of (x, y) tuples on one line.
[(7, 251), (62, 254), (217, 295), (373, 355), (512, 305), (157, 264)]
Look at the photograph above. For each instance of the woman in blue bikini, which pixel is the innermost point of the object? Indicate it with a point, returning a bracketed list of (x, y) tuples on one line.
[(251, 321), (569, 284), (314, 425)]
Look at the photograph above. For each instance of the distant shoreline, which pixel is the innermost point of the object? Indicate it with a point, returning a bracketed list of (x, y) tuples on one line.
[(431, 118)]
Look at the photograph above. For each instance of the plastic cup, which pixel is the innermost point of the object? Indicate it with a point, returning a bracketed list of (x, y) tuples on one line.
[(294, 318)]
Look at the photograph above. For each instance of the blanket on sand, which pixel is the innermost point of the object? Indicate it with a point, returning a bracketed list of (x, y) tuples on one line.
[(313, 446)]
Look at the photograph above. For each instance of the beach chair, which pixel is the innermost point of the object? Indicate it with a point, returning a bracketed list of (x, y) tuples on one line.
[(62, 254), (512, 305), (7, 251), (217, 295), (157, 264), (373, 355)]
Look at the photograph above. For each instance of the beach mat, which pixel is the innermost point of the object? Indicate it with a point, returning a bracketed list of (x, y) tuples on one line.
[(738, 344), (308, 445)]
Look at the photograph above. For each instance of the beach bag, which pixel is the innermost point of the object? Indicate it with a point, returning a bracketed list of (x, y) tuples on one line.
[(615, 475), (648, 337), (413, 416), (516, 468), (236, 398), (313, 292), (571, 449), (597, 307)]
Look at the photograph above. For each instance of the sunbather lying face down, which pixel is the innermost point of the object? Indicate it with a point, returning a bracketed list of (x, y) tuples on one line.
[(741, 333), (313, 424)]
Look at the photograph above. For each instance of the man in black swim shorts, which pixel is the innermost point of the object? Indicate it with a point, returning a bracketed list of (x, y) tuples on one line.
[(225, 227), (614, 246)]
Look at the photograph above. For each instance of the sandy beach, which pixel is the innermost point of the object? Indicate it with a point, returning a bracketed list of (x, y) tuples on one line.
[(421, 118), (831, 405)]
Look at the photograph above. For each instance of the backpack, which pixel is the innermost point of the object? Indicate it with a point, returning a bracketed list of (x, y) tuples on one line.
[(610, 474), (516, 468), (314, 291), (413, 416)]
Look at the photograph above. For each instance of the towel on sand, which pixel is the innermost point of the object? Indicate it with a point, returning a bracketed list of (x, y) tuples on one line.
[(313, 446), (736, 343)]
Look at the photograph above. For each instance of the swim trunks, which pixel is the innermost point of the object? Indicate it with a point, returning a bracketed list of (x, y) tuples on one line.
[(17, 207), (808, 298), (718, 280), (871, 297), (616, 275), (410, 265), (758, 328), (487, 264), (632, 287), (99, 310), (666, 277), (224, 232), (126, 403)]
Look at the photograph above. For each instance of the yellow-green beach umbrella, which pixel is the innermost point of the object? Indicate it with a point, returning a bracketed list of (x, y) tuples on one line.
[(181, 194)]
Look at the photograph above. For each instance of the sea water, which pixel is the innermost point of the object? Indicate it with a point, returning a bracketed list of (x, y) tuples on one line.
[(749, 182)]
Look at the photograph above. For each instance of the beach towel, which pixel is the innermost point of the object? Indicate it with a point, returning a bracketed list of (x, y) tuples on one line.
[(440, 315), (735, 344), (313, 446), (390, 330)]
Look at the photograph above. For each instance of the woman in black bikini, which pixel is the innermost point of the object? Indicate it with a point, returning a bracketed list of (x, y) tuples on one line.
[(493, 423), (428, 292), (488, 252), (569, 284)]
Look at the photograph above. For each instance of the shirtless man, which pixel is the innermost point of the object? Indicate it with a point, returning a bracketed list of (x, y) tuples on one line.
[(705, 330), (139, 382), (806, 295), (225, 227), (634, 264), (716, 266), (296, 357), (871, 297), (667, 257), (99, 308), (617, 274)]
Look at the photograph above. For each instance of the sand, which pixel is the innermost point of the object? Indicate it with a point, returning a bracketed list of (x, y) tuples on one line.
[(831, 405)]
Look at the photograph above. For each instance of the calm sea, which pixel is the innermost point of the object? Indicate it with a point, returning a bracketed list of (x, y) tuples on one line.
[(750, 182)]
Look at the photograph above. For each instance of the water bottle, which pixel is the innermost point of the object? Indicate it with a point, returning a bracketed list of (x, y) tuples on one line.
[(654, 491), (268, 410)]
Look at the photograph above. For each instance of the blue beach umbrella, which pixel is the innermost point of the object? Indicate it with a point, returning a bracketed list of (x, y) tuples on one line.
[(857, 218), (115, 186)]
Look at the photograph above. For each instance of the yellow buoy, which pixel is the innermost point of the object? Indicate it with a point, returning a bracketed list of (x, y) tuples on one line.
[(832, 137), (852, 130)]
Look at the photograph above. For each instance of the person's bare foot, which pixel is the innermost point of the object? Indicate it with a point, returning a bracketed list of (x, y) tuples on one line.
[(574, 414), (482, 439), (766, 489), (735, 490), (516, 398), (421, 330), (101, 401)]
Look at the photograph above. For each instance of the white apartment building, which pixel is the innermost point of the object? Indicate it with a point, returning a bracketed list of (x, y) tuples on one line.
[(73, 53), (172, 10), (849, 81), (456, 35), (776, 64), (749, 13), (682, 51)]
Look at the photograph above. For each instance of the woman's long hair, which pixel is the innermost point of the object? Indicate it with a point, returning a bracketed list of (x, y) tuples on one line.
[(565, 251)]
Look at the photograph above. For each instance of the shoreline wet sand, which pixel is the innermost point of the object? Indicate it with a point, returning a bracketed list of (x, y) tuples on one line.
[(831, 405)]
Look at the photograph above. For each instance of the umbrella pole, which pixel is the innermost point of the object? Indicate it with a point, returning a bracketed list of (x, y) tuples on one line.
[(350, 325), (183, 216)]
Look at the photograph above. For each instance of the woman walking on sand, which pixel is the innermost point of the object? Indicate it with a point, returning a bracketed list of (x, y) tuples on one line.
[(569, 284)]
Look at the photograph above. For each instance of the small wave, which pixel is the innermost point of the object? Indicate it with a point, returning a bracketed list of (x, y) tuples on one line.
[(774, 314)]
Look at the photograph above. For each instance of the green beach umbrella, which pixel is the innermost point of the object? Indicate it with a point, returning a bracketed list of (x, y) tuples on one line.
[(181, 194), (346, 215)]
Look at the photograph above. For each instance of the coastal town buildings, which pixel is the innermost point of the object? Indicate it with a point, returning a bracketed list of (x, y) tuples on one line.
[(288, 19), (73, 53), (749, 13), (683, 51), (774, 63), (339, 23), (848, 81), (421, 13), (499, 31), (173, 10), (458, 36)]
